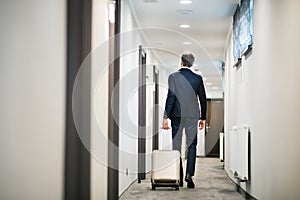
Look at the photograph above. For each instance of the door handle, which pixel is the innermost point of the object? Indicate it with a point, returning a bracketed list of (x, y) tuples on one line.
[(207, 127)]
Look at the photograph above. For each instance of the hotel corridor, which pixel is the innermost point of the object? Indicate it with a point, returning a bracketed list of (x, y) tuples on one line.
[(84, 83)]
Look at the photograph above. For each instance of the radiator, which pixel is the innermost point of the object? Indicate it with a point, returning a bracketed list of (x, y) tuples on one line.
[(221, 147), (239, 152)]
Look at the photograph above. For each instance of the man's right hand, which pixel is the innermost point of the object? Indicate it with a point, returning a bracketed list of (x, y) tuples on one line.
[(201, 124), (165, 124)]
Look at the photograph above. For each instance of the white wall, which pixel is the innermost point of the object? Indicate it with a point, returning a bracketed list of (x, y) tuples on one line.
[(129, 74), (32, 106), (99, 100), (267, 99), (214, 94), (149, 109), (150, 88), (130, 41)]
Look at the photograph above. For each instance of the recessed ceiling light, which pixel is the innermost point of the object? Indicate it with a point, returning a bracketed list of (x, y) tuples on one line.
[(111, 12), (208, 83), (185, 26), (185, 1), (184, 11), (150, 1), (187, 43), (215, 88)]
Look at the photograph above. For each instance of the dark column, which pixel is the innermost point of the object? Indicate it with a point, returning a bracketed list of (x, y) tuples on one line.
[(142, 116), (77, 158)]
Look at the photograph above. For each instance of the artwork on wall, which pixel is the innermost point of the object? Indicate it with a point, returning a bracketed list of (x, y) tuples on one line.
[(242, 29)]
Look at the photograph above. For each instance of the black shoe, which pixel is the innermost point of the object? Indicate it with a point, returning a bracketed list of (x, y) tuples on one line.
[(189, 180), (181, 183)]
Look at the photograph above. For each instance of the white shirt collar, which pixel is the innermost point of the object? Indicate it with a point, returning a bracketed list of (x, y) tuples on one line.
[(186, 68)]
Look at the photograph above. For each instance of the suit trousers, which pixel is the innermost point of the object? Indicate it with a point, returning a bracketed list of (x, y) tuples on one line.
[(191, 129)]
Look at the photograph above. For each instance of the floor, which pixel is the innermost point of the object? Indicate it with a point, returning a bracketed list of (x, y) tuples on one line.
[(210, 179)]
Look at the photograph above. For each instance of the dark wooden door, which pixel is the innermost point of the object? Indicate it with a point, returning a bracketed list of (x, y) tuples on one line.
[(214, 125)]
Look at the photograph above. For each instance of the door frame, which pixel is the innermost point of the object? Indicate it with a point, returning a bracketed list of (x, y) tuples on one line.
[(113, 99), (155, 141), (142, 115)]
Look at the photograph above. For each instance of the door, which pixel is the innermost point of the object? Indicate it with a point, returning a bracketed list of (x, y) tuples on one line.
[(213, 127)]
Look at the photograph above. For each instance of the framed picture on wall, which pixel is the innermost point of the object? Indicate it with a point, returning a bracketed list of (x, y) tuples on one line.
[(242, 29)]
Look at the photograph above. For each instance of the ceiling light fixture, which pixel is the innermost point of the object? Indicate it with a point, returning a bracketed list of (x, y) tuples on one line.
[(185, 26), (208, 83), (187, 43), (184, 11), (111, 12), (185, 1), (150, 1)]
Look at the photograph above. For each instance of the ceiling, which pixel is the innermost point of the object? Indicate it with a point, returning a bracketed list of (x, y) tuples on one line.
[(209, 21)]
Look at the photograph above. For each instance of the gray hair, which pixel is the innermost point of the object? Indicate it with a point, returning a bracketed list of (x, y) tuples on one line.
[(187, 59)]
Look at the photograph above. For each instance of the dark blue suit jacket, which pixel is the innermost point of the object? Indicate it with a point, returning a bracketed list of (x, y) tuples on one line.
[(185, 88)]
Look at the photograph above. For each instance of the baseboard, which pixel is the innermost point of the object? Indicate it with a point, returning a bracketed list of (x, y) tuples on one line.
[(240, 190), (245, 194), (120, 195)]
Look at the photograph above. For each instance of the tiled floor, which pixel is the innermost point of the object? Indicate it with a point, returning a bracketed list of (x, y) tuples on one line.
[(210, 180)]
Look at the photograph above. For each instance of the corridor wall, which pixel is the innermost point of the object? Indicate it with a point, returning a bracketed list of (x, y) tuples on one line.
[(129, 74), (131, 38), (264, 93), (99, 100), (32, 106)]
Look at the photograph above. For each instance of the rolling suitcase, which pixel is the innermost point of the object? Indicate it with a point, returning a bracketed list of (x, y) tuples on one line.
[(165, 169)]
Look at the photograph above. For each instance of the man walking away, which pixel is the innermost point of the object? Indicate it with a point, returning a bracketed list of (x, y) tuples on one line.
[(182, 108)]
